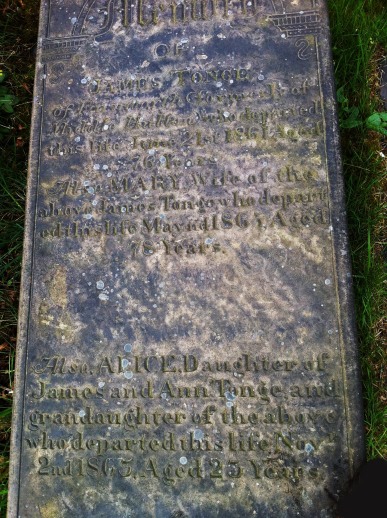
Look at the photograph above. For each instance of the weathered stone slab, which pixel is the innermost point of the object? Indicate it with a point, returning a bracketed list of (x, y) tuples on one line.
[(186, 343)]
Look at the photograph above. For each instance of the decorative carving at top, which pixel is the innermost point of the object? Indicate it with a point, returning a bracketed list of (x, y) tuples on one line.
[(96, 18), (298, 24), (62, 49)]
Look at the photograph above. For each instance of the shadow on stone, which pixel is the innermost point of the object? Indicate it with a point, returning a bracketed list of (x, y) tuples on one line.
[(367, 495)]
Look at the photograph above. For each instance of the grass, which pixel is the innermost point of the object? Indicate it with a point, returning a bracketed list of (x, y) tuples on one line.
[(18, 24), (359, 36)]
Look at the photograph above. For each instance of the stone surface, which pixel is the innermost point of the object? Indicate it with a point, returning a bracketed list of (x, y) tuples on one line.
[(186, 345)]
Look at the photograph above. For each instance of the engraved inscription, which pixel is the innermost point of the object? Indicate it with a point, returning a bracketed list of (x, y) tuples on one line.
[(185, 334)]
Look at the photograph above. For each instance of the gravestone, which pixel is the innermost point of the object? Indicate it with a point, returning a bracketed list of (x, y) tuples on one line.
[(186, 343)]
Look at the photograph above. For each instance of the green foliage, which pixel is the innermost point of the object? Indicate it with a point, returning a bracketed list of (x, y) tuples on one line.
[(349, 116), (378, 122), (7, 103), (7, 100), (359, 36)]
